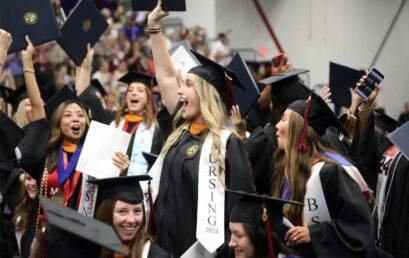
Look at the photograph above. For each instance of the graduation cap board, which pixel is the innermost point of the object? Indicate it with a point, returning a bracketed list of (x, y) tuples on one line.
[(150, 158), (10, 136), (65, 94), (33, 18), (17, 96), (341, 78), (5, 91), (84, 25), (400, 137), (248, 97), (167, 5), (133, 76), (98, 86), (385, 122), (182, 59), (81, 227)]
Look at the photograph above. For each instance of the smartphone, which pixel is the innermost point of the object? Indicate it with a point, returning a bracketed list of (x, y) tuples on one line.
[(277, 59), (365, 89)]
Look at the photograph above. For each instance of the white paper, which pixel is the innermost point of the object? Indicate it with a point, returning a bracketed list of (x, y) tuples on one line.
[(183, 61), (287, 223), (99, 148)]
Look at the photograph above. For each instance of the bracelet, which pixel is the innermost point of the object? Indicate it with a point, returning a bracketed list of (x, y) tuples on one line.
[(365, 109), (154, 30), (29, 70)]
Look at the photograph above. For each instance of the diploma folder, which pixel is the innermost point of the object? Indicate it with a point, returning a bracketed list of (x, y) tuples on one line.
[(167, 5)]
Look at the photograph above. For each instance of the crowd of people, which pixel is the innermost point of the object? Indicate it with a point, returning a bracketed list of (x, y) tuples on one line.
[(289, 179)]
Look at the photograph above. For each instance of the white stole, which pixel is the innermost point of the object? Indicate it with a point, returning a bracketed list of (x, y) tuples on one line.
[(88, 197), (142, 142), (315, 206), (210, 211), (146, 247)]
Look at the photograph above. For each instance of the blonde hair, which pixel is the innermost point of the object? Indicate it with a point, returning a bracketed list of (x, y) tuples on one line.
[(56, 135), (295, 166), (20, 117), (149, 117), (215, 116)]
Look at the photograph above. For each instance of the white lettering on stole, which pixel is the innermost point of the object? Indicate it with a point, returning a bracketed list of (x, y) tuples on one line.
[(212, 210)]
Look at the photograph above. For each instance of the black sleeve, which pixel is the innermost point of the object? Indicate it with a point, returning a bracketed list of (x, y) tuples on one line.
[(99, 113), (260, 150), (33, 147), (165, 120), (350, 233)]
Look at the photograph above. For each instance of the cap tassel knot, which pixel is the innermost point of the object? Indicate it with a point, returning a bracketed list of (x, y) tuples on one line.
[(303, 145)]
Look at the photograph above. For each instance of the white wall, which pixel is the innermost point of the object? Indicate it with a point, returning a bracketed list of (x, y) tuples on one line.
[(314, 32)]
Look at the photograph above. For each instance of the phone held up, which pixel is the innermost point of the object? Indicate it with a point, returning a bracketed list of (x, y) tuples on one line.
[(365, 89)]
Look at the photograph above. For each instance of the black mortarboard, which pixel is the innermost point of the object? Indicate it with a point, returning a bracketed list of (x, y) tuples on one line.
[(65, 94), (218, 76), (248, 97), (10, 136), (84, 25), (150, 158), (77, 235), (98, 86), (33, 18), (167, 5), (5, 91), (124, 188), (17, 96), (286, 87), (400, 137), (133, 76), (341, 78), (385, 122), (320, 116)]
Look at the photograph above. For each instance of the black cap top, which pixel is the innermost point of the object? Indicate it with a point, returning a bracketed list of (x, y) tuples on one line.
[(80, 233), (133, 76), (124, 188), (341, 78), (287, 87), (5, 91), (65, 94), (249, 209), (385, 122), (150, 158), (167, 5), (17, 96), (217, 76), (98, 86), (320, 116), (10, 136), (400, 137)]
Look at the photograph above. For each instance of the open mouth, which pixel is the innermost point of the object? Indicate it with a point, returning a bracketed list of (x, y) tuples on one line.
[(134, 101), (75, 128), (185, 101)]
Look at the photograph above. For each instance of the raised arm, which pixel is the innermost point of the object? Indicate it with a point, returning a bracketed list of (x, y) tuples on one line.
[(37, 105), (83, 73), (5, 42), (164, 70)]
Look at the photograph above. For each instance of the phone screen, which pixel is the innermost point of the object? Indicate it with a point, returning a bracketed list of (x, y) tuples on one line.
[(365, 89)]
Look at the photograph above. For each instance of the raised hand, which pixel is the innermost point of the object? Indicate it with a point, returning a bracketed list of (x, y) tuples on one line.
[(5, 41), (27, 54), (156, 15)]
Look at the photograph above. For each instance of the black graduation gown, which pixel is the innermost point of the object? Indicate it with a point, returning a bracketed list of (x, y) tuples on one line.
[(368, 153), (176, 203), (156, 251), (350, 233), (261, 146), (99, 113)]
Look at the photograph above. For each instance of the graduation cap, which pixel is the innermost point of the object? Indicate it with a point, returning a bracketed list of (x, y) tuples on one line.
[(400, 137), (10, 136), (341, 78), (287, 87), (167, 5), (84, 25), (98, 86), (64, 94), (260, 210), (17, 96), (77, 235), (124, 188), (319, 117), (133, 76), (150, 158), (5, 91), (222, 78), (385, 122), (33, 18)]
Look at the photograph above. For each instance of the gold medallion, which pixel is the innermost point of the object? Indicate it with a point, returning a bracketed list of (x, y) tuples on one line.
[(192, 150), (86, 25), (30, 18)]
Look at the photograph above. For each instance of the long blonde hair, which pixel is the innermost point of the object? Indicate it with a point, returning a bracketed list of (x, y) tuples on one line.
[(105, 214), (20, 116), (215, 116), (149, 117), (295, 166), (56, 135)]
